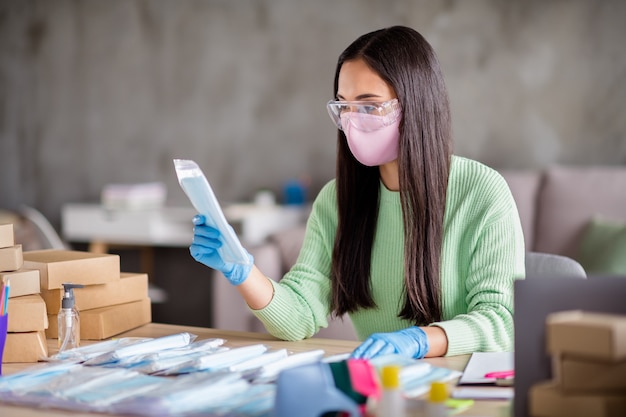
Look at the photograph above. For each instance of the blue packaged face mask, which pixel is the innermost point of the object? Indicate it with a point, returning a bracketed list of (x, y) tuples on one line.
[(65, 385), (33, 377), (185, 394), (161, 360), (79, 379), (197, 188), (149, 346), (120, 391), (269, 373), (107, 392), (217, 361), (83, 353), (256, 401), (223, 381), (159, 365), (92, 387), (252, 366)]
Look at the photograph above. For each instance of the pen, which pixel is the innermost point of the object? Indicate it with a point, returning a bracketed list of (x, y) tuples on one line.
[(4, 296), (500, 374), (5, 293)]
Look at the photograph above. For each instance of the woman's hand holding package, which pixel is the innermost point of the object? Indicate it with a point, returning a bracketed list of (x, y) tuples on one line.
[(204, 249), (411, 342)]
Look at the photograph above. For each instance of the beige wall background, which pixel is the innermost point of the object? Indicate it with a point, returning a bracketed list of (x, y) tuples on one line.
[(96, 92)]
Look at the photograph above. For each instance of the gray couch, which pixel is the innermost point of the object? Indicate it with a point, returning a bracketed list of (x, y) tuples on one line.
[(555, 206)]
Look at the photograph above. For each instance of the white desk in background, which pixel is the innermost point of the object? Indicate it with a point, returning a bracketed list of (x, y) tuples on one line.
[(145, 229), (95, 224)]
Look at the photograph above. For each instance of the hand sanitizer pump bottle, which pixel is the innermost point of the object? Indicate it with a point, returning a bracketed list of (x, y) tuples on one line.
[(69, 320), (391, 403)]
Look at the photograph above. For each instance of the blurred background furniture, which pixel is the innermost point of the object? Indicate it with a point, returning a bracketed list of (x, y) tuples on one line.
[(546, 265), (32, 229), (556, 205)]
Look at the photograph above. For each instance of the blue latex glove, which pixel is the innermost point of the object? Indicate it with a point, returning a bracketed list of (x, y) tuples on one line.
[(204, 249), (411, 342)]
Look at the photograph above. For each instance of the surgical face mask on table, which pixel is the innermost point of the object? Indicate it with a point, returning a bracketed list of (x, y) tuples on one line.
[(157, 361), (223, 381), (258, 401), (121, 391), (149, 346), (216, 361), (186, 393), (268, 373), (33, 376), (245, 386), (157, 364), (96, 387), (72, 386), (83, 353), (251, 366)]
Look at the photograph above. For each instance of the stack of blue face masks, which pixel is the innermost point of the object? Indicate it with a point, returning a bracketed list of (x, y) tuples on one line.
[(126, 376), (120, 377)]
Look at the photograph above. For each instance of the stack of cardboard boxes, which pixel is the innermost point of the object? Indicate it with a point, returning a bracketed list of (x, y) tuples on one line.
[(111, 302), (589, 358), (27, 319)]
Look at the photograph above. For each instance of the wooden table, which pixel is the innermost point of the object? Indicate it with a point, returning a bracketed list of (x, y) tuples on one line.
[(236, 339)]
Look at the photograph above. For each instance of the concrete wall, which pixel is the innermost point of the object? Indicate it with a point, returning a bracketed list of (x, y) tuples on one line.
[(97, 92)]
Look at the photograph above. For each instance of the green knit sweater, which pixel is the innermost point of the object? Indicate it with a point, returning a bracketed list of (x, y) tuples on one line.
[(482, 254)]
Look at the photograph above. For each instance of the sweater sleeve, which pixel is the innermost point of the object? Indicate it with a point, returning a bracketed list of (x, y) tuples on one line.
[(493, 259), (301, 302), (488, 323)]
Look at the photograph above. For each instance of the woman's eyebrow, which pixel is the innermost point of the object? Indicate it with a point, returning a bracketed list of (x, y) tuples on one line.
[(360, 97)]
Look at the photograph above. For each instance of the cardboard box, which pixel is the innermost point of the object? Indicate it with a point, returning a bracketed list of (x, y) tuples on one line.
[(579, 375), (11, 258), (102, 323), (587, 335), (7, 236), (27, 314), (62, 266), (25, 347), (547, 400), (23, 282), (130, 287)]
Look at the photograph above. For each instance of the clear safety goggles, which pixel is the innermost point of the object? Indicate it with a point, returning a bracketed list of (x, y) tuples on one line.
[(366, 116)]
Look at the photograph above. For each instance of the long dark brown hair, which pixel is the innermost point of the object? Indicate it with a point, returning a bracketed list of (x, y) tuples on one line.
[(407, 62)]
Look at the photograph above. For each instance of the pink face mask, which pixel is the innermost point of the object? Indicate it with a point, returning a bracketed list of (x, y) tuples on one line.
[(376, 147)]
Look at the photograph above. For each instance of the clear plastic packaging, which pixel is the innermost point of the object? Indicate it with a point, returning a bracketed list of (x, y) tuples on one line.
[(198, 190), (217, 361), (83, 353), (173, 341), (269, 372)]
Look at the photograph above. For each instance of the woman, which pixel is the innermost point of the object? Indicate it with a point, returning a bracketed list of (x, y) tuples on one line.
[(418, 246)]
